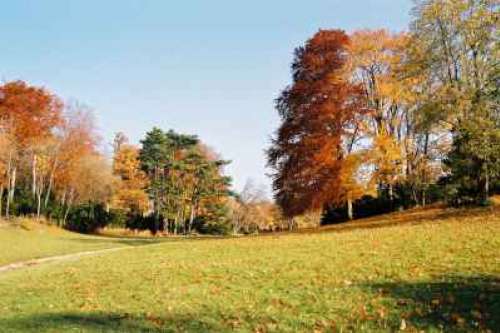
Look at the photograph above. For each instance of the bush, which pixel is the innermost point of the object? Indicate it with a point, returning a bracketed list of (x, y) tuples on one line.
[(203, 226), (88, 218), (117, 218)]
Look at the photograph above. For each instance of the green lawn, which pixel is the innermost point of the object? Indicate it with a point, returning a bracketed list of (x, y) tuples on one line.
[(441, 275), (31, 240)]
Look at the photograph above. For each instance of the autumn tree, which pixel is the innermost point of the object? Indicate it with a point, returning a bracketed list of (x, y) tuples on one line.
[(77, 139), (401, 143), (456, 49), (246, 209), (7, 150), (317, 112), (29, 115), (130, 195)]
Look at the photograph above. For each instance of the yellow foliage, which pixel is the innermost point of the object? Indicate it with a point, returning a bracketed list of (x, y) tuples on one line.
[(130, 194)]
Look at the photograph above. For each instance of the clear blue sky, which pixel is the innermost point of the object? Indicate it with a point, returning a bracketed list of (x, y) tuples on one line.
[(211, 68)]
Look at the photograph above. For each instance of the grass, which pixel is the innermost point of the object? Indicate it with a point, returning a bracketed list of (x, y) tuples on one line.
[(441, 275), (28, 240)]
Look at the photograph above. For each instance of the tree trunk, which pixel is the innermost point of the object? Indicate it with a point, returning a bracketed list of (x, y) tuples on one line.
[(7, 204), (191, 217), (68, 206), (66, 213), (10, 194), (1, 198), (349, 207), (39, 204), (33, 175), (176, 222), (486, 185), (183, 219), (13, 183), (391, 195), (51, 183)]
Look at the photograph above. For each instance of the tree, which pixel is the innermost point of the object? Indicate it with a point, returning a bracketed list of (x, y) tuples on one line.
[(45, 153), (77, 139), (456, 49), (474, 161), (203, 180), (317, 112), (245, 209), (30, 115), (91, 181), (374, 55), (186, 181), (385, 156), (7, 150), (155, 155), (130, 194)]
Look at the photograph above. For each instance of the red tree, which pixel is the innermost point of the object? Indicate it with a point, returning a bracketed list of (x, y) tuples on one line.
[(29, 115), (317, 111)]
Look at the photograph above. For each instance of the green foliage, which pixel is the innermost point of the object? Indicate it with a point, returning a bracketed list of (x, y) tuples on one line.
[(185, 181), (117, 218), (215, 221), (474, 162), (88, 218)]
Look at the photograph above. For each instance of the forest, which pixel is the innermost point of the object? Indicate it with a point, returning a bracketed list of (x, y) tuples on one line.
[(374, 121), (53, 166)]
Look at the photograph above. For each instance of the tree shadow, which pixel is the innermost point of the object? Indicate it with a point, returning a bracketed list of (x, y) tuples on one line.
[(103, 322), (415, 216), (147, 241), (121, 241), (453, 303)]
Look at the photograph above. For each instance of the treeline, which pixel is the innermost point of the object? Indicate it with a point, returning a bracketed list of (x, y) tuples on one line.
[(49, 159), (376, 121), (52, 166)]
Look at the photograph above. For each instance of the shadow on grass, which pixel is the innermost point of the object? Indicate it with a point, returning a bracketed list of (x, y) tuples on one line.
[(411, 217), (121, 241), (452, 303), (103, 322), (146, 241)]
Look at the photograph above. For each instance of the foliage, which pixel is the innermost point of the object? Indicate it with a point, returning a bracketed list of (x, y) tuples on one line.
[(251, 212), (88, 218), (186, 180), (315, 110), (413, 101), (130, 195), (50, 165), (474, 162)]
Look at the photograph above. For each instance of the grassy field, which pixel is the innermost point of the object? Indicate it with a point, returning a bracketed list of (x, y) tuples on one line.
[(440, 275), (27, 240)]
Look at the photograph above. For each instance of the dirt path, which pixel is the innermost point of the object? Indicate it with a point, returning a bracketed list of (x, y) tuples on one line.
[(60, 258)]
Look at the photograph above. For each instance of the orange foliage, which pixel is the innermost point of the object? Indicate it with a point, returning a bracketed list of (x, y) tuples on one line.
[(317, 110), (30, 113), (130, 194)]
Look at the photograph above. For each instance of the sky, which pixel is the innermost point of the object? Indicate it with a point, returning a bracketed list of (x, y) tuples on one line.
[(211, 68)]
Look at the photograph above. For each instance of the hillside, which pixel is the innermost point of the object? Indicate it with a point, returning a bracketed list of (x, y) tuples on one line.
[(443, 273)]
